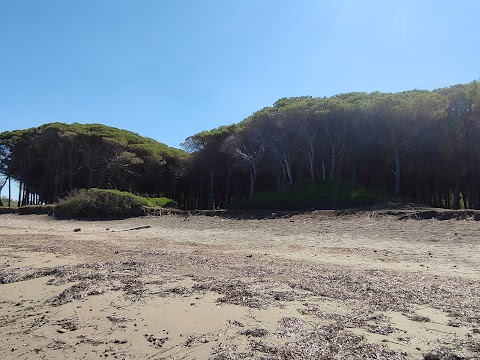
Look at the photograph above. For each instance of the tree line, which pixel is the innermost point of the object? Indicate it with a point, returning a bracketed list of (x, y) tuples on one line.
[(52, 160), (420, 144)]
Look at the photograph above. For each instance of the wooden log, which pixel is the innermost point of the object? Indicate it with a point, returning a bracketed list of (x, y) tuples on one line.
[(134, 228)]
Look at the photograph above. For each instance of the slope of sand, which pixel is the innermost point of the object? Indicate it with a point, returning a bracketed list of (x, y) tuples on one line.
[(303, 287)]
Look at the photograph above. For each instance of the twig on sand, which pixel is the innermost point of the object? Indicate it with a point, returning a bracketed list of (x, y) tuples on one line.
[(134, 228)]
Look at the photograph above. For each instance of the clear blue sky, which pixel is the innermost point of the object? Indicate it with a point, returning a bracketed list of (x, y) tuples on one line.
[(168, 69)]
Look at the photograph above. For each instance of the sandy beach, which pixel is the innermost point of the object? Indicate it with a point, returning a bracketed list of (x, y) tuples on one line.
[(308, 286)]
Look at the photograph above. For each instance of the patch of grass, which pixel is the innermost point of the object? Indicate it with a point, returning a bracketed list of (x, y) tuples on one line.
[(315, 195), (101, 203)]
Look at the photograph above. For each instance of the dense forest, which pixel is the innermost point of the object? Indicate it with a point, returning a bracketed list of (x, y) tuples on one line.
[(52, 160), (421, 144)]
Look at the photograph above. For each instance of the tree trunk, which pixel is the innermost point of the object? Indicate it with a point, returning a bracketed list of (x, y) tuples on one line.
[(1, 188), (9, 191), (464, 198), (90, 179), (312, 172), (473, 198), (210, 195), (20, 194), (280, 183), (478, 197), (287, 169), (456, 196), (227, 190), (289, 173), (253, 177), (397, 173), (24, 194), (332, 170)]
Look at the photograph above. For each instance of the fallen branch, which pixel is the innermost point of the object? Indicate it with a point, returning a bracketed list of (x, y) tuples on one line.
[(134, 228)]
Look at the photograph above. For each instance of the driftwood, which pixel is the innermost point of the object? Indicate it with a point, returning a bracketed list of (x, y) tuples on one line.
[(134, 228)]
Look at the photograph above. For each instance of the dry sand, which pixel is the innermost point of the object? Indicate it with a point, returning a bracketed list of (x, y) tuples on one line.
[(312, 286)]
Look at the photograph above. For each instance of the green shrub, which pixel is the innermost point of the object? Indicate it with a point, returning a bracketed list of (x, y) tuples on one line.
[(315, 195), (4, 201), (163, 202), (101, 203)]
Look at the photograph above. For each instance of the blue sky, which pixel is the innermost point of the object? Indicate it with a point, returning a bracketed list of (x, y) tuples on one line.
[(168, 69)]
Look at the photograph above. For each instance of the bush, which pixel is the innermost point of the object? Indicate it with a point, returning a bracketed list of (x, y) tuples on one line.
[(4, 202), (162, 202), (314, 195), (101, 203)]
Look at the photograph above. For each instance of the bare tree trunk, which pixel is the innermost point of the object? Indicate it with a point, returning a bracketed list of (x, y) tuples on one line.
[(210, 195), (20, 194), (456, 196), (477, 203), (227, 190), (252, 185), (4, 182), (312, 172), (289, 171), (332, 170), (279, 177), (9, 191), (464, 198), (24, 195), (397, 173), (253, 178)]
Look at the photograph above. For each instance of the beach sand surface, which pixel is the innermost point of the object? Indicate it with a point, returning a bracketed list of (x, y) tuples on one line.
[(306, 286)]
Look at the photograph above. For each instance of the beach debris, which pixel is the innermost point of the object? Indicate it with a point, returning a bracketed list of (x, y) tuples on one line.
[(257, 332), (155, 341), (134, 228)]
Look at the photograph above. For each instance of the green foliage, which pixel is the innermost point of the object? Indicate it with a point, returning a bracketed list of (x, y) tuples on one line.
[(13, 203), (162, 202), (101, 203), (315, 195), (204, 139)]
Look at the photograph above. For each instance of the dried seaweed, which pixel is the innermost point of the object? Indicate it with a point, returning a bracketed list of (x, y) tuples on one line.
[(156, 341), (70, 324), (74, 292), (180, 290), (256, 332), (117, 319), (235, 323), (418, 318), (381, 329), (291, 326), (58, 345)]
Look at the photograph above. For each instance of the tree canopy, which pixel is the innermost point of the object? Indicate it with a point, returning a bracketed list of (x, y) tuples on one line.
[(53, 159)]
